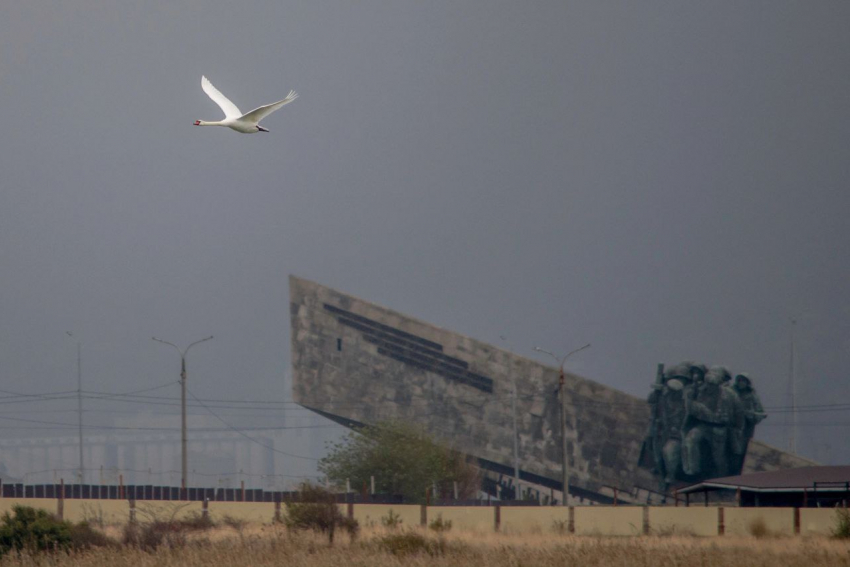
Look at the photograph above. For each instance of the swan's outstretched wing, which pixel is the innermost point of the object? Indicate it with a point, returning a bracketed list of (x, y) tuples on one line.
[(259, 113), (230, 109)]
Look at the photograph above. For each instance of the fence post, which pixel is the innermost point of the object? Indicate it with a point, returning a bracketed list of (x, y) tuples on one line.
[(132, 510), (721, 525), (796, 521), (277, 510), (423, 515), (205, 510), (497, 517), (646, 520), (571, 523)]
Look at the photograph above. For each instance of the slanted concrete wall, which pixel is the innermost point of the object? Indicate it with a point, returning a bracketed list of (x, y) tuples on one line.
[(609, 520), (698, 521), (378, 360), (749, 521)]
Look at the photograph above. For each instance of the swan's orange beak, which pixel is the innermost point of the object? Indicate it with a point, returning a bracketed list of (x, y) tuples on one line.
[(197, 123)]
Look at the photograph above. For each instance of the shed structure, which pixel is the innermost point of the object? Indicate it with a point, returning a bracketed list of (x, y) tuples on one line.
[(802, 487)]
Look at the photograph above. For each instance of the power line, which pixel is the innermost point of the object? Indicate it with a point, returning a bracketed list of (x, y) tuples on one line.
[(248, 437), (64, 425), (343, 403)]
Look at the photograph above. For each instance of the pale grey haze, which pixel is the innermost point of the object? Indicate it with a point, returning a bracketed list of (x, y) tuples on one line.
[(664, 180)]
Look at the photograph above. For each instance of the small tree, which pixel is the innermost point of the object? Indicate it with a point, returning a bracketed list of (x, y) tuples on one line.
[(32, 530), (842, 524), (318, 511), (404, 460)]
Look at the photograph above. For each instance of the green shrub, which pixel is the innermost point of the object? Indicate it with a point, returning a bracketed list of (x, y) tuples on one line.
[(391, 520), (403, 458), (198, 521), (319, 512), (440, 525), (84, 536), (560, 527), (237, 524), (411, 543), (152, 535), (32, 530), (842, 524)]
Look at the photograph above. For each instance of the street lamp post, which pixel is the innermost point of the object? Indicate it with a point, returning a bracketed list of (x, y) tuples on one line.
[(562, 393), (79, 403), (184, 464)]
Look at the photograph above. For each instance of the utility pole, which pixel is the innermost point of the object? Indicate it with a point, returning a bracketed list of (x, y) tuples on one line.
[(793, 390), (184, 459), (562, 394), (79, 403)]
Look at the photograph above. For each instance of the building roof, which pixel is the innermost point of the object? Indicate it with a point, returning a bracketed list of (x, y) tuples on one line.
[(823, 478)]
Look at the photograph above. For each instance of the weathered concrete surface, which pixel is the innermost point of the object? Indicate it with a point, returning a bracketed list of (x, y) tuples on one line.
[(361, 362)]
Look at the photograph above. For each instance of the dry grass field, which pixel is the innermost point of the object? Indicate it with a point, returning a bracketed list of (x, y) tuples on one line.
[(271, 545)]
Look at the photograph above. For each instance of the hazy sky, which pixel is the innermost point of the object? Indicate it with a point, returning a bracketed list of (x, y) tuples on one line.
[(664, 180)]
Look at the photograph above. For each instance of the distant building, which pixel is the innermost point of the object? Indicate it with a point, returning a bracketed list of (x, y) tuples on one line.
[(218, 457), (357, 363), (803, 487)]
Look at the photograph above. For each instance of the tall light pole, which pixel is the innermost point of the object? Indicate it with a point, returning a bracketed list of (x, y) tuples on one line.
[(185, 463), (562, 393), (793, 377), (79, 402)]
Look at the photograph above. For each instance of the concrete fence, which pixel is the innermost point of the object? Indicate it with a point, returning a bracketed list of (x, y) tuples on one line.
[(578, 520)]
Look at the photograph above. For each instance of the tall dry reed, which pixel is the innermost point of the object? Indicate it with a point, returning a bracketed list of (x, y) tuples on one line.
[(271, 545)]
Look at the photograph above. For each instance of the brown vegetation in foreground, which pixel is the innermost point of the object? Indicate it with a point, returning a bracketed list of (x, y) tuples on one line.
[(274, 545)]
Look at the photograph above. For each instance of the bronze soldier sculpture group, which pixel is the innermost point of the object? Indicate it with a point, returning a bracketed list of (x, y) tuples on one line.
[(702, 422)]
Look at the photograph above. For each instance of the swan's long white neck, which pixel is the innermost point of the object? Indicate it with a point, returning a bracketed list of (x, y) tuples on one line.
[(205, 123)]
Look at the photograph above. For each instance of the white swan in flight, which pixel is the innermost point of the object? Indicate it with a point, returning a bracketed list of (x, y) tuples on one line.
[(233, 118)]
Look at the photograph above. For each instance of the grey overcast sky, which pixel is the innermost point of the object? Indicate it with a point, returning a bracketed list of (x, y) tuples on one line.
[(664, 180)]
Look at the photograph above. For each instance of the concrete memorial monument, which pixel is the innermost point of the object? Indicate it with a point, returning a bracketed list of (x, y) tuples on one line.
[(701, 423), (357, 363)]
